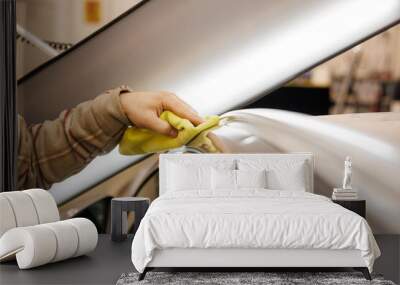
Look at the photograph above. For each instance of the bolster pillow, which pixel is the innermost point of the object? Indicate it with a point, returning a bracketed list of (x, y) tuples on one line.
[(26, 208), (40, 244)]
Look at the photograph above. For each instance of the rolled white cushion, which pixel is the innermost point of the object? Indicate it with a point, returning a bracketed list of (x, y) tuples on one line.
[(33, 246), (23, 208), (45, 243), (45, 205), (7, 218), (87, 235), (26, 208), (67, 240)]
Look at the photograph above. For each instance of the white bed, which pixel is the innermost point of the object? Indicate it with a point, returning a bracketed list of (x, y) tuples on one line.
[(215, 211)]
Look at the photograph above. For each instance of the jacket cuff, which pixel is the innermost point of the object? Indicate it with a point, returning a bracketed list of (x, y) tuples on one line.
[(108, 110), (117, 101)]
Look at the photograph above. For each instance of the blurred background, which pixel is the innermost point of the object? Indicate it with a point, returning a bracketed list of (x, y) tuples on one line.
[(364, 79)]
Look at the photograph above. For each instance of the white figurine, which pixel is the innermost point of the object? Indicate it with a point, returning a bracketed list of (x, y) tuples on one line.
[(347, 173)]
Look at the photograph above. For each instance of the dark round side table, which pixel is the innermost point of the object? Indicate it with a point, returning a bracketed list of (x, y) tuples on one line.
[(119, 215)]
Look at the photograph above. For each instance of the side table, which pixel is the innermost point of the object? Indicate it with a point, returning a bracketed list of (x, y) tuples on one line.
[(357, 206), (119, 215)]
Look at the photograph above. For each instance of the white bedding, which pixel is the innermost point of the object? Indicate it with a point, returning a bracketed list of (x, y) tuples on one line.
[(250, 219)]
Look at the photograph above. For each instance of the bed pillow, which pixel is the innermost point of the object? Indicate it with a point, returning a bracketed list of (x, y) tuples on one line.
[(251, 178), (288, 174), (182, 177), (223, 179), (292, 179), (228, 179)]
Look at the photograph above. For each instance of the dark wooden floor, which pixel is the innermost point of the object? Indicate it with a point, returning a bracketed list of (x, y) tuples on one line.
[(102, 266), (110, 260)]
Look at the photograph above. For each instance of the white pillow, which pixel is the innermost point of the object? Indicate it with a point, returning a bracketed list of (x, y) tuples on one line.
[(251, 178), (181, 177), (291, 179), (228, 179), (223, 179), (44, 243), (282, 174)]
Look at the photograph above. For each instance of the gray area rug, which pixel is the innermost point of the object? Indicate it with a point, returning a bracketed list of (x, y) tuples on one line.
[(231, 278)]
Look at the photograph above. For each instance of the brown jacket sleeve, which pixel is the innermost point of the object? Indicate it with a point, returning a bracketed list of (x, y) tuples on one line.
[(54, 150)]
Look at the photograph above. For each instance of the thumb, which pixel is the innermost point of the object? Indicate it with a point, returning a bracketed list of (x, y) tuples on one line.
[(162, 127)]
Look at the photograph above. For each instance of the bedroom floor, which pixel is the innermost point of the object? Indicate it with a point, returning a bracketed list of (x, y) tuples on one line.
[(389, 262), (110, 260)]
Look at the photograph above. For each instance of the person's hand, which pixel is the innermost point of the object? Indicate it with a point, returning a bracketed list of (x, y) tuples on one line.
[(143, 109)]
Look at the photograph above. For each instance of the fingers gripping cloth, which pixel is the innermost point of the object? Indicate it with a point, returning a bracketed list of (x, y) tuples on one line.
[(31, 232), (139, 141)]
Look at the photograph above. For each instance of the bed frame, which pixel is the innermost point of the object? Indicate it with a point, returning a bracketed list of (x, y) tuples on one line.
[(260, 259), (245, 259)]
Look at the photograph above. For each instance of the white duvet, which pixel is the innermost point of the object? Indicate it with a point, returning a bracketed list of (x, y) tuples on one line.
[(250, 219)]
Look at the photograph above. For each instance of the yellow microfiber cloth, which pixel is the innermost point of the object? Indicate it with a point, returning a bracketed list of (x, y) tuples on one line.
[(139, 141), (204, 142)]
